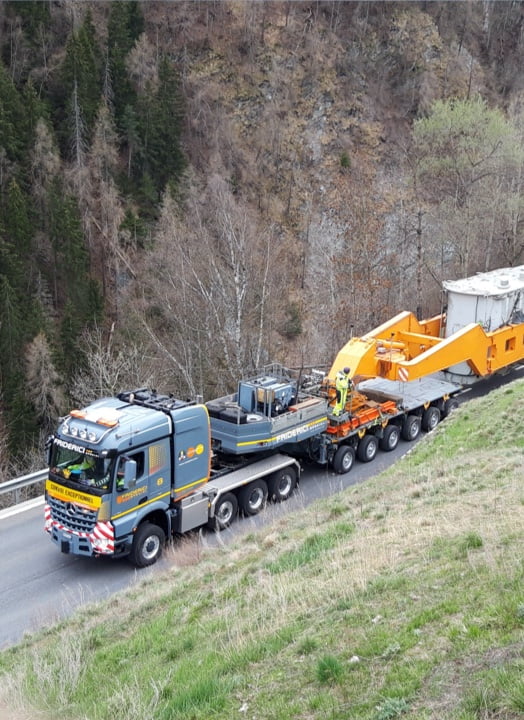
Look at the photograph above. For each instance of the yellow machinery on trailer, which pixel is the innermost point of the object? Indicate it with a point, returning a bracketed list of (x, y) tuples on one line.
[(480, 333)]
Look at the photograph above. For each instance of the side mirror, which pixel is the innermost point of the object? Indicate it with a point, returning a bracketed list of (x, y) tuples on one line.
[(129, 479)]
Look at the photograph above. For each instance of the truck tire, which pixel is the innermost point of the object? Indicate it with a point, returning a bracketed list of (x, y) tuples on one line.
[(148, 544), (411, 428), (344, 459), (226, 511), (253, 497), (367, 448), (281, 484), (430, 418), (390, 439), (449, 406)]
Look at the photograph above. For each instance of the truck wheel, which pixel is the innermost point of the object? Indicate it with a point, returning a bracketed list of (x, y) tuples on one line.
[(281, 484), (225, 512), (449, 406), (252, 497), (344, 459), (367, 448), (430, 418), (390, 438), (411, 427), (147, 546)]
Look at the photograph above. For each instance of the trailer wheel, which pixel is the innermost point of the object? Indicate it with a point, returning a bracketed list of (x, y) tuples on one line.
[(449, 406), (344, 459), (430, 418), (225, 512), (390, 439), (281, 484), (411, 427), (253, 497), (147, 546), (367, 448)]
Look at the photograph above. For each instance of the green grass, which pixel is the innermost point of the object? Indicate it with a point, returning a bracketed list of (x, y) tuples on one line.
[(399, 598)]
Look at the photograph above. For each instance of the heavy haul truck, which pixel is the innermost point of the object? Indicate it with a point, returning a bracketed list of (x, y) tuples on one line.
[(128, 472)]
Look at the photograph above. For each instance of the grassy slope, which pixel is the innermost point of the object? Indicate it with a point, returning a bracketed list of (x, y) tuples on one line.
[(400, 597)]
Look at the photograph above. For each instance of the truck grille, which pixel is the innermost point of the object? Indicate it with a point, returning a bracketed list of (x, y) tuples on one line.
[(71, 516)]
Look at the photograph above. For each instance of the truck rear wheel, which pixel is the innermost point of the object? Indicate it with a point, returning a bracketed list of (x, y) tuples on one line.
[(344, 459), (253, 497), (225, 512), (449, 406), (281, 484), (390, 439), (367, 448), (148, 544), (411, 427), (430, 418)]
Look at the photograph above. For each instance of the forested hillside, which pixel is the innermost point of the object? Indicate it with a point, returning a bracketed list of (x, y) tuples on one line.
[(191, 189)]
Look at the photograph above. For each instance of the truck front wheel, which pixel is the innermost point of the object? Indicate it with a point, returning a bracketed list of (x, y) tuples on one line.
[(148, 544), (252, 497), (281, 484)]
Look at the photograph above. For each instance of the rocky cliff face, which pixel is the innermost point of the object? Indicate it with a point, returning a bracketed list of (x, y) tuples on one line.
[(306, 109)]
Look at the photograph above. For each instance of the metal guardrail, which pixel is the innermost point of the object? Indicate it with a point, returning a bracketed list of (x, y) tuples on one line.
[(14, 486)]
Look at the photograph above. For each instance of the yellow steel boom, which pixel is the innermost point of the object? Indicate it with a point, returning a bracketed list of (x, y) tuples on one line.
[(407, 349)]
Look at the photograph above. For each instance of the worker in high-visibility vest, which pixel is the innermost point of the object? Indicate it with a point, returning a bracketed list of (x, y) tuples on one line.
[(342, 385), (83, 470)]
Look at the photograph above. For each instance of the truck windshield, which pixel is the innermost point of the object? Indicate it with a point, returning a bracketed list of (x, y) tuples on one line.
[(81, 466)]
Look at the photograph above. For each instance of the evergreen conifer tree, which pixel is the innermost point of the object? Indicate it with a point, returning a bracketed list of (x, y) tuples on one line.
[(161, 121), (35, 16), (125, 25), (17, 221), (21, 419), (13, 121), (19, 258), (80, 84)]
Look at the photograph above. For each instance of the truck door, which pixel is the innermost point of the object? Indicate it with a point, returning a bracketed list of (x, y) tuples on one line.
[(149, 483), (130, 491)]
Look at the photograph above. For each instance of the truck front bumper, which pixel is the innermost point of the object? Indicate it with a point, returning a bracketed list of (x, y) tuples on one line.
[(98, 542)]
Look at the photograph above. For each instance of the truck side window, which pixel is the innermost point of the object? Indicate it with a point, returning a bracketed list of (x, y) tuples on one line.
[(139, 460)]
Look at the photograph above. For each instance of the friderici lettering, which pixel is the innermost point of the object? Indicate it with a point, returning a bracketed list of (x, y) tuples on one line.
[(291, 434), (75, 448)]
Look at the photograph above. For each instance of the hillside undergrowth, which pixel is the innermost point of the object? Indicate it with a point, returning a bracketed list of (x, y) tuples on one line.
[(401, 597)]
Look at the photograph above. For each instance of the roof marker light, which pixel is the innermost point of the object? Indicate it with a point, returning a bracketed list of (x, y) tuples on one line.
[(78, 414), (107, 421)]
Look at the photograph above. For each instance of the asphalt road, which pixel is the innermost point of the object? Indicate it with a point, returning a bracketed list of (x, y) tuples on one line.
[(40, 585)]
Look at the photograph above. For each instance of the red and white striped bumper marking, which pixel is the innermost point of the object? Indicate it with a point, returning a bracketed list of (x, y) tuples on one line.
[(102, 538)]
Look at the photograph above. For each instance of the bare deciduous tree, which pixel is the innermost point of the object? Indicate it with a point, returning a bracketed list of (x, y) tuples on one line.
[(112, 366), (102, 208), (43, 382), (206, 290)]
